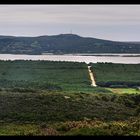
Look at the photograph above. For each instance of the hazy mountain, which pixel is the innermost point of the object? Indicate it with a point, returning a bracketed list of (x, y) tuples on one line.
[(64, 43)]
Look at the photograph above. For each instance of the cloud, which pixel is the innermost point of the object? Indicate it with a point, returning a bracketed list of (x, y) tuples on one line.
[(100, 20), (71, 14)]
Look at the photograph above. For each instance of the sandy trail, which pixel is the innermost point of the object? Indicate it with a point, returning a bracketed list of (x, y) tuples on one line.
[(93, 83)]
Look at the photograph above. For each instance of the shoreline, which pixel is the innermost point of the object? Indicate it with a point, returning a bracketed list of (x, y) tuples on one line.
[(81, 54)]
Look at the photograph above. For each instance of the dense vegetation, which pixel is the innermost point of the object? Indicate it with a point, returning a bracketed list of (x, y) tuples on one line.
[(55, 98), (44, 75), (63, 43), (55, 106), (86, 127), (53, 113), (117, 75)]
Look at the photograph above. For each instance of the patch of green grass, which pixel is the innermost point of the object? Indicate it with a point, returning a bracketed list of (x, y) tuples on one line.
[(124, 90)]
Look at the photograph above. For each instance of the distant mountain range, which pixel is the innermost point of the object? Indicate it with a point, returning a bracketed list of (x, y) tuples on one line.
[(64, 43)]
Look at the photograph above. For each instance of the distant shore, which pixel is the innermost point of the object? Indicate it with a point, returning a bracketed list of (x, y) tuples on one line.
[(96, 54)]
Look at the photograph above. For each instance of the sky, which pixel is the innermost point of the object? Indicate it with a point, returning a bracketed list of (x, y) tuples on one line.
[(111, 22)]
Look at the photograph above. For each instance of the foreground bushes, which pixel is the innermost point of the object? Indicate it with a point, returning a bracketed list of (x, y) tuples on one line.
[(96, 127), (53, 106)]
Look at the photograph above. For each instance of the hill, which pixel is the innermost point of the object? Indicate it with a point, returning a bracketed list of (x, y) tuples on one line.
[(63, 43)]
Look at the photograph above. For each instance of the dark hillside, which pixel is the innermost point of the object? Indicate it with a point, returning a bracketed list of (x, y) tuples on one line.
[(63, 43)]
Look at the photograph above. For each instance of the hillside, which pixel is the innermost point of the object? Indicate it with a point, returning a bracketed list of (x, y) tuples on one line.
[(63, 43)]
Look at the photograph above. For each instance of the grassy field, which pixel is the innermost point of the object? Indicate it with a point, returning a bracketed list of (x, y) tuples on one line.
[(43, 75), (55, 98), (115, 75), (124, 90)]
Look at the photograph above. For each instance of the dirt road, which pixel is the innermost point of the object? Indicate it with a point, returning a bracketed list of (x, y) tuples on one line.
[(93, 83)]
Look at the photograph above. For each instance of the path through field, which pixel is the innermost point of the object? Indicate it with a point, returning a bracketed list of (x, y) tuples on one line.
[(93, 83)]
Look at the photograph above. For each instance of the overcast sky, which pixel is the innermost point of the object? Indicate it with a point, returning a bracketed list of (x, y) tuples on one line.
[(112, 22)]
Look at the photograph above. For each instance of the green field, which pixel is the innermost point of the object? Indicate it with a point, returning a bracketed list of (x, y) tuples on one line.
[(43, 75), (55, 98), (124, 90), (117, 75)]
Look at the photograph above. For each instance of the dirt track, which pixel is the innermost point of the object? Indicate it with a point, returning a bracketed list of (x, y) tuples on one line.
[(93, 83)]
